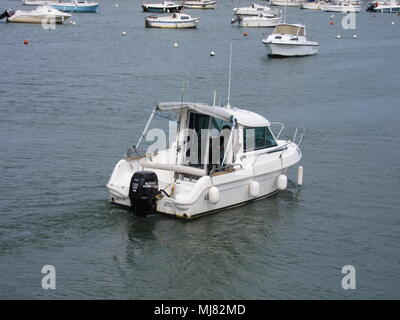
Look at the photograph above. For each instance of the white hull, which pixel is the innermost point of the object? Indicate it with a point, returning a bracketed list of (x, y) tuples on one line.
[(172, 25), (199, 5), (291, 50), (192, 199), (285, 3), (39, 2), (338, 8), (260, 22), (312, 5), (36, 19)]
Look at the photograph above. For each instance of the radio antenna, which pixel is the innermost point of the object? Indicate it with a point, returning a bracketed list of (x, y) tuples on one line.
[(229, 82)]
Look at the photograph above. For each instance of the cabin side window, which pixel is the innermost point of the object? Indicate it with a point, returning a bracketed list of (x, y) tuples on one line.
[(256, 138)]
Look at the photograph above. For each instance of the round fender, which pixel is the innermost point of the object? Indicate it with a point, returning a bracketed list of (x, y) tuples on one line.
[(281, 182), (254, 188), (213, 195)]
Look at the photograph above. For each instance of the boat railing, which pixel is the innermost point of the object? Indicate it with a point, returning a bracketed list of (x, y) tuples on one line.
[(282, 126), (298, 135)]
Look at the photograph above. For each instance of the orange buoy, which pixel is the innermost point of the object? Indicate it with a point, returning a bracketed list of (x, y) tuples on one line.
[(245, 34), (26, 41), (331, 22)]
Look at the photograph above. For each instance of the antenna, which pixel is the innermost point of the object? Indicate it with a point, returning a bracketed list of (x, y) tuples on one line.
[(229, 82), (284, 15), (215, 97)]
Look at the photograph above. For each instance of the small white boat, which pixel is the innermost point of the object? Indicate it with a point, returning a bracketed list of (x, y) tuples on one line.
[(42, 14), (176, 21), (200, 4), (252, 10), (316, 5), (164, 6), (285, 3), (288, 40), (218, 157), (387, 6), (342, 7), (262, 20), (39, 2)]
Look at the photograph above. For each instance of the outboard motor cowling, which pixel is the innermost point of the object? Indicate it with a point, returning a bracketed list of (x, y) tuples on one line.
[(6, 14), (143, 192)]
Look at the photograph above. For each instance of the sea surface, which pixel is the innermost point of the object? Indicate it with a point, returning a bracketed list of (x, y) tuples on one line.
[(75, 98)]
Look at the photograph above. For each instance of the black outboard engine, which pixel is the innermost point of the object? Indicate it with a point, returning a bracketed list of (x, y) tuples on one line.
[(143, 192), (6, 14), (372, 6)]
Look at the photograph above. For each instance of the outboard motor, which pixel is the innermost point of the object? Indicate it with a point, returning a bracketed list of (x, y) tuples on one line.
[(6, 14), (143, 192)]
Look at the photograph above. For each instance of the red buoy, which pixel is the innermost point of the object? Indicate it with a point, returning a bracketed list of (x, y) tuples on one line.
[(331, 22), (245, 34), (26, 41)]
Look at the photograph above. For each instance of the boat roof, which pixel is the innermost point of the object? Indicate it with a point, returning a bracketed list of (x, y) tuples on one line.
[(243, 117), (290, 28)]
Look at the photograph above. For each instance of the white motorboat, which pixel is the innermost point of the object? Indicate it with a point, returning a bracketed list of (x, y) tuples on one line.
[(200, 4), (386, 6), (262, 20), (316, 5), (42, 14), (164, 6), (252, 10), (285, 3), (341, 7), (176, 21), (290, 40), (218, 157), (39, 2)]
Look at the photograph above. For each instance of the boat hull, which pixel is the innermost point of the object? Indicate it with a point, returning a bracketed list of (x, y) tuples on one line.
[(39, 3), (191, 198), (188, 24), (381, 9), (290, 50), (333, 8), (259, 23), (284, 3), (37, 19), (73, 8), (195, 5), (153, 9)]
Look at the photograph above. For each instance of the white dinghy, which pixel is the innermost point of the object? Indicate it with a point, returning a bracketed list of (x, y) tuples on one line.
[(218, 157), (289, 40)]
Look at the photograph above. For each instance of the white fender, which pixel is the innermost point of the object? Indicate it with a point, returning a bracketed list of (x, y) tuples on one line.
[(300, 175), (213, 195), (254, 188), (281, 182)]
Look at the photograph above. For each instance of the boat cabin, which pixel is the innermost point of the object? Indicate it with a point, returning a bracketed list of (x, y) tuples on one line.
[(210, 138), (290, 29)]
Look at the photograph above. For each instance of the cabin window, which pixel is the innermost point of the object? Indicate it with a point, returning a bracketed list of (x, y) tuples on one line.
[(256, 138), (184, 18)]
